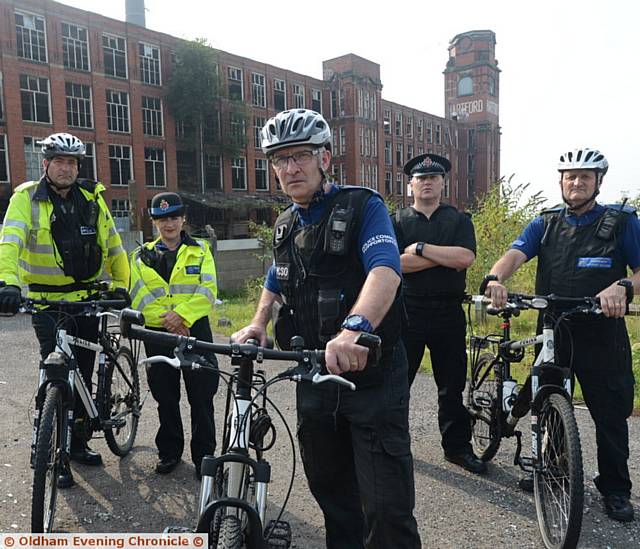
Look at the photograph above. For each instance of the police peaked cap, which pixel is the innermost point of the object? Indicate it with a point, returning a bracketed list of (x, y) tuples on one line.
[(425, 164), (166, 204)]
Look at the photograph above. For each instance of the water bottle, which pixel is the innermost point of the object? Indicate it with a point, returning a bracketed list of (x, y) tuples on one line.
[(508, 389)]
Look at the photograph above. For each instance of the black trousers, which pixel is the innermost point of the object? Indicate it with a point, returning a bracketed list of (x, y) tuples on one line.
[(356, 451), (442, 328), (164, 382), (45, 324), (599, 353)]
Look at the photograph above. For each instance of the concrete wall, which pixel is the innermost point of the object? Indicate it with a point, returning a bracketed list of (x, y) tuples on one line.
[(236, 262)]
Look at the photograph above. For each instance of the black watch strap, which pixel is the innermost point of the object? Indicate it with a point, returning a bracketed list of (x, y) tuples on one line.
[(419, 248)]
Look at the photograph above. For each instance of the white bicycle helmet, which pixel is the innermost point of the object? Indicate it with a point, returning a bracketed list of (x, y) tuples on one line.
[(295, 127), (62, 144), (583, 159)]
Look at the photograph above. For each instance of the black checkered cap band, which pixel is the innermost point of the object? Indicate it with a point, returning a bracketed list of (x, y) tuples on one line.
[(428, 163), (427, 168)]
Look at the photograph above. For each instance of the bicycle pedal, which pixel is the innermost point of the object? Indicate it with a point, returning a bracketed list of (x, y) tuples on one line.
[(177, 530), (279, 533)]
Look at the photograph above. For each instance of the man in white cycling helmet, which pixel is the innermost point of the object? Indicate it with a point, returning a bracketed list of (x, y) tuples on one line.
[(587, 249), (336, 273)]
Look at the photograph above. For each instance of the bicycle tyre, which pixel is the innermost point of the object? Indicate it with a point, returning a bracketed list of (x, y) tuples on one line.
[(230, 533), (47, 462), (559, 486), (483, 403), (122, 399)]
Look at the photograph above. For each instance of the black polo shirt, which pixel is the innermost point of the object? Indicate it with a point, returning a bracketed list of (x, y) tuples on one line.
[(445, 227)]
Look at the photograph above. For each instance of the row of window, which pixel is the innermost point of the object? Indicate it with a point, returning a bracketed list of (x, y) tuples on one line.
[(235, 83), (121, 166), (422, 126), (120, 163), (213, 172), (31, 37), (36, 107)]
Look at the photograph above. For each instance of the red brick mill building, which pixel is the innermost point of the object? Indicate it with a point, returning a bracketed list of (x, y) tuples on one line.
[(65, 69)]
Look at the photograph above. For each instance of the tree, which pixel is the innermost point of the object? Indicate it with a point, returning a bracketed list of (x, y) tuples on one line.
[(499, 218), (195, 99)]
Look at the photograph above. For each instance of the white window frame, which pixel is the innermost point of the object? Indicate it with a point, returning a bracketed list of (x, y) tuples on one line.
[(118, 108), (279, 85), (72, 43), (4, 149), (115, 37), (119, 160), (33, 98), (258, 90), (150, 64), (316, 95), (258, 124), (237, 165), (220, 171), (155, 162), (298, 96), (264, 166), (33, 169), (235, 74), (343, 140), (30, 30), (155, 117), (73, 100), (91, 158)]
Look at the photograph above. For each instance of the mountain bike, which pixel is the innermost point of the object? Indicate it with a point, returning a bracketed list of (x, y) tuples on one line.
[(232, 506), (115, 408), (495, 405)]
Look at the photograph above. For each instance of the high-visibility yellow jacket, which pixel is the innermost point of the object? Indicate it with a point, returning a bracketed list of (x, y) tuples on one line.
[(28, 252), (191, 291)]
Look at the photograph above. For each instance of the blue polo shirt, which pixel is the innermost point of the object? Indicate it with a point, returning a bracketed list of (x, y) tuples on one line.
[(377, 246), (628, 246)]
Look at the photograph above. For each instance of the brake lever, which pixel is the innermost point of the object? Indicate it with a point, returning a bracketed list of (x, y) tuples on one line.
[(320, 378)]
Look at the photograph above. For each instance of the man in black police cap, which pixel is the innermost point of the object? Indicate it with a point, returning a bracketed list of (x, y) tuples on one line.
[(437, 244)]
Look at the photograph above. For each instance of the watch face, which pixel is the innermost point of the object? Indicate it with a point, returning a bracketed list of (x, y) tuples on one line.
[(354, 320)]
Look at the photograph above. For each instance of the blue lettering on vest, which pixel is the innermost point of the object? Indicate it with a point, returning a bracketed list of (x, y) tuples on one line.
[(193, 269), (595, 262)]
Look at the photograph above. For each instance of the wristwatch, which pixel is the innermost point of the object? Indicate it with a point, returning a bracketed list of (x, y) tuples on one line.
[(357, 323), (419, 248)]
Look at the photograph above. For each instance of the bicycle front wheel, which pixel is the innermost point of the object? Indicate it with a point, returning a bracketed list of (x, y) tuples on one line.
[(47, 462), (483, 403), (559, 483), (230, 536), (123, 402)]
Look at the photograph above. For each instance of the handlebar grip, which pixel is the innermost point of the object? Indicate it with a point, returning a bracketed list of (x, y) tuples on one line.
[(485, 282), (373, 343), (129, 317)]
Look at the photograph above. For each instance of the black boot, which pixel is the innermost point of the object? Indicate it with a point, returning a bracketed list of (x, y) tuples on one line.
[(65, 478)]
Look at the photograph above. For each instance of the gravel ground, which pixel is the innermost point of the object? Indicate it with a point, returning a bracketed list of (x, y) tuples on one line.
[(454, 509)]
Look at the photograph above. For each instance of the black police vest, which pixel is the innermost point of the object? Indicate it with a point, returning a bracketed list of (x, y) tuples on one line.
[(577, 261), (438, 282), (320, 272), (74, 230)]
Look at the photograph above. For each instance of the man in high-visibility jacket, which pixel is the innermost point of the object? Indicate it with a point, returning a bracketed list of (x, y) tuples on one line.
[(58, 237), (173, 283)]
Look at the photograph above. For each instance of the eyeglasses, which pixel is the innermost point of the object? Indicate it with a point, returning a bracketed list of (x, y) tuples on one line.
[(300, 158)]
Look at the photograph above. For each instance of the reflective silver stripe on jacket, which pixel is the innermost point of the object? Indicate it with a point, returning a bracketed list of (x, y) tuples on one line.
[(41, 249), (40, 270), (206, 277), (207, 293), (16, 223), (12, 238), (116, 250), (183, 288)]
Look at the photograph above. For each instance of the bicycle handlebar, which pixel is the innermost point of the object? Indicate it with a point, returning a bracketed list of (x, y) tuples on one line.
[(309, 361), (91, 308)]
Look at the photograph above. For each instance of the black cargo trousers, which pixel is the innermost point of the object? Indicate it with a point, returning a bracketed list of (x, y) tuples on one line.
[(45, 324), (164, 382), (356, 451)]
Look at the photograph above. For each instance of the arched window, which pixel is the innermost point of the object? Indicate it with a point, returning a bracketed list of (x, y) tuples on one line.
[(465, 86)]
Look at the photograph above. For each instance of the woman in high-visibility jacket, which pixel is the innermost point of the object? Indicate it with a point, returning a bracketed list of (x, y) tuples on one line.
[(173, 283)]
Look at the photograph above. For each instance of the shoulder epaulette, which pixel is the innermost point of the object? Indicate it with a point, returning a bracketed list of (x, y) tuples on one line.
[(554, 209), (88, 185), (26, 185), (627, 208)]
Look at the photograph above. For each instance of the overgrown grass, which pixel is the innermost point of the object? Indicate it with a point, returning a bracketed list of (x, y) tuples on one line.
[(239, 309)]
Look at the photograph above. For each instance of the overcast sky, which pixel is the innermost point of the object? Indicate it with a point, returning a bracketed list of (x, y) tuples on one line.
[(570, 69)]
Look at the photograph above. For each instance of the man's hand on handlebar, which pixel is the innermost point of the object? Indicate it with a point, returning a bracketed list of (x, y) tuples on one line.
[(10, 299), (613, 301), (343, 355), (497, 293), (253, 331)]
